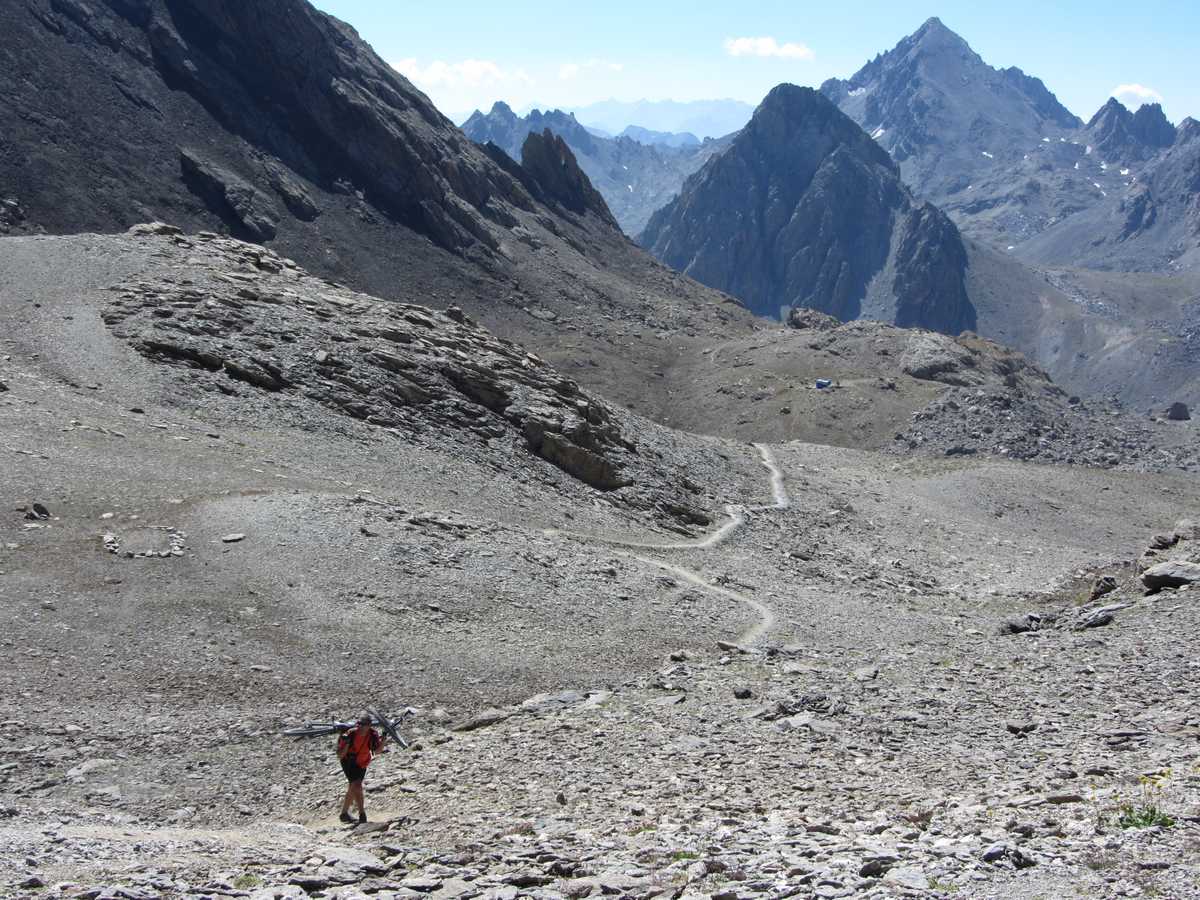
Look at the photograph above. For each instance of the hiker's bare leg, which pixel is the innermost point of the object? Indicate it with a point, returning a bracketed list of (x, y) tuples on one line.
[(346, 801), (359, 800)]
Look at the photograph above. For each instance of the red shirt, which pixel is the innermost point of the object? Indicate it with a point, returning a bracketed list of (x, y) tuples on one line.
[(364, 742)]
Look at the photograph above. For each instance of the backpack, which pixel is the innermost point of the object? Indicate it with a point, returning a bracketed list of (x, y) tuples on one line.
[(345, 744)]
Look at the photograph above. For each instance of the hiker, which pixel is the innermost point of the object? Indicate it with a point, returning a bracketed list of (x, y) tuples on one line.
[(355, 749)]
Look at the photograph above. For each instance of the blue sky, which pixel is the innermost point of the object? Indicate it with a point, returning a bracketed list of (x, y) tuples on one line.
[(468, 54)]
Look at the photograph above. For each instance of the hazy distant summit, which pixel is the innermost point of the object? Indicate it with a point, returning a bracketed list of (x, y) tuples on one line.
[(636, 173), (702, 118)]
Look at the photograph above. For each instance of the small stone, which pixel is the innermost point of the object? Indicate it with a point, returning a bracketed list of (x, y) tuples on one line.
[(484, 719), (424, 884), (233, 538), (743, 693), (877, 866), (528, 879), (150, 228), (37, 512), (995, 852), (908, 877)]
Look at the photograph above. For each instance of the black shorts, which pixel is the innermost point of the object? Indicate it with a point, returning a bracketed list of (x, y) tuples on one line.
[(354, 772)]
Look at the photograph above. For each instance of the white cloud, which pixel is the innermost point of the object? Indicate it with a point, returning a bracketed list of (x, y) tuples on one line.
[(766, 47), (567, 71), (467, 73), (1136, 94), (457, 88)]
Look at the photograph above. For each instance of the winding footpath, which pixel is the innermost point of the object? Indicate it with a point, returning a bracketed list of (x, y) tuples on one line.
[(736, 519)]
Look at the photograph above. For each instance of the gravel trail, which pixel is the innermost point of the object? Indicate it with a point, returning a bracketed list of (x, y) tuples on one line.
[(737, 518)]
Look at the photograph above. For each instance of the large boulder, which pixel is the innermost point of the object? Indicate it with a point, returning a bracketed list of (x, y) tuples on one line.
[(1173, 574), (1179, 412), (1187, 530), (805, 319), (936, 357)]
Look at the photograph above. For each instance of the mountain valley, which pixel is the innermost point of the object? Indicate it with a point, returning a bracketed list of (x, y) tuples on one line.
[(835, 538)]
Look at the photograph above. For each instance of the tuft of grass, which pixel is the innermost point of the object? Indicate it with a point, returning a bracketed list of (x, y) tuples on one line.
[(246, 881), (1101, 862), (1147, 815), (681, 855)]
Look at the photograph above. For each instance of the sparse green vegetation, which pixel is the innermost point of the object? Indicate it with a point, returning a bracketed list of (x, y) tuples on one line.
[(246, 881), (1149, 813), (1146, 815)]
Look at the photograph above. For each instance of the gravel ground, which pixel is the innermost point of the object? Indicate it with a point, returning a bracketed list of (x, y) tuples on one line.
[(878, 736)]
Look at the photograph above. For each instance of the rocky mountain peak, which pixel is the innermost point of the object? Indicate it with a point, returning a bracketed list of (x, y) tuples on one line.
[(799, 126), (1150, 125), (944, 114), (1112, 110), (1121, 135), (1188, 130), (934, 37), (804, 209)]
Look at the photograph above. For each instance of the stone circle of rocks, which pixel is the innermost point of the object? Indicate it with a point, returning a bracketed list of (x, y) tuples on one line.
[(177, 538)]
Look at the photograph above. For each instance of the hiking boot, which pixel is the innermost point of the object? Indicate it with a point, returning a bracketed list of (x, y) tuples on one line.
[(347, 818), (362, 819)]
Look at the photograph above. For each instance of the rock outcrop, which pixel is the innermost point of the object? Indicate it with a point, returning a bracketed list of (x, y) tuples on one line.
[(804, 209), (231, 198), (261, 324), (557, 178)]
